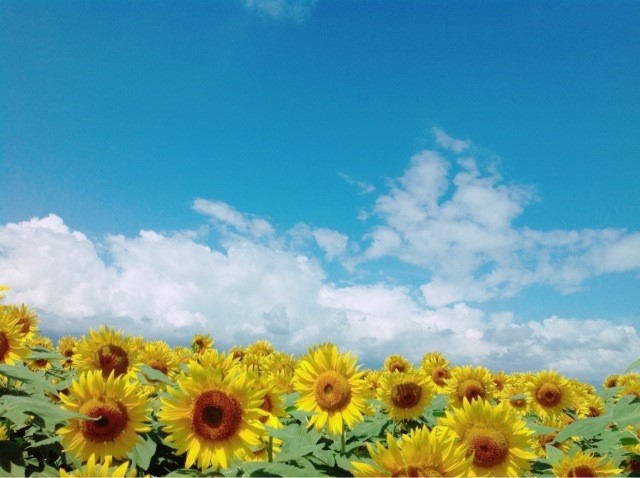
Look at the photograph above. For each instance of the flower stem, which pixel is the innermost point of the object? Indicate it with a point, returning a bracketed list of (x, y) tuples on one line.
[(342, 441), (270, 449)]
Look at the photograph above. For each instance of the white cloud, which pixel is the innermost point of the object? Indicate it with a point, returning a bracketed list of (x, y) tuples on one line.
[(363, 187), (223, 213), (447, 142), (290, 10)]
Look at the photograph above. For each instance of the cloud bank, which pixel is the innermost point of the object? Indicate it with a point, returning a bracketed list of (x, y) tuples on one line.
[(450, 215)]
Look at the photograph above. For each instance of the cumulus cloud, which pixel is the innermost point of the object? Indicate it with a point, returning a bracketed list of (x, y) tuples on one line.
[(451, 217), (282, 10), (363, 187)]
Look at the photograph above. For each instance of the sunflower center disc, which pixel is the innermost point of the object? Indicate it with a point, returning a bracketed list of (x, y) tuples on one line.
[(216, 416), (413, 470), (25, 325), (548, 395), (489, 446), (113, 358), (332, 391), (582, 471), (112, 419), (439, 375), (397, 367), (4, 346), (406, 395), (544, 440), (518, 402), (472, 389)]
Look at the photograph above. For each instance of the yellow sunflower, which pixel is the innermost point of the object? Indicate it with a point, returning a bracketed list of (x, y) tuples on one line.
[(496, 437), (4, 432), (420, 453), (549, 393), (500, 379), (405, 395), (2, 289), (611, 381), (12, 348), (540, 442), (261, 347), (237, 351), (28, 319), (159, 356), (201, 342), (214, 359), (184, 354), (396, 363), (66, 348), (121, 411), (39, 341), (471, 383), (106, 350), (585, 464), (436, 366), (332, 388), (104, 469), (514, 393), (214, 418)]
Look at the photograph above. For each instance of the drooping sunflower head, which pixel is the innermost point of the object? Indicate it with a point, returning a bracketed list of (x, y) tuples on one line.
[(93, 468), (212, 417), (159, 356), (588, 406), (396, 363), (331, 386), (184, 354), (495, 435), (500, 379), (470, 383), (215, 359), (261, 347), (514, 393), (405, 395), (201, 342), (585, 465), (549, 393), (611, 381), (66, 348), (106, 350), (237, 351), (37, 341), (121, 413), (12, 346), (27, 318), (420, 453)]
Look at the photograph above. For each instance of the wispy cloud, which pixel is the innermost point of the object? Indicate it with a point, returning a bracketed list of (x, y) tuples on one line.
[(282, 10), (363, 187)]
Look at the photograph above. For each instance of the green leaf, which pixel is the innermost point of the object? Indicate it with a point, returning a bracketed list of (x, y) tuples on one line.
[(143, 453), (324, 456), (586, 427), (46, 441), (23, 374), (18, 409), (151, 374), (634, 365), (45, 355), (553, 454)]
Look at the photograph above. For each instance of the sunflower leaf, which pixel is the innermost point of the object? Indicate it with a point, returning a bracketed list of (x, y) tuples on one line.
[(143, 453), (553, 454), (19, 409), (586, 428), (633, 365), (23, 374)]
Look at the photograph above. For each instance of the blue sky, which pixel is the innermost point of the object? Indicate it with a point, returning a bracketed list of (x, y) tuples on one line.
[(473, 166)]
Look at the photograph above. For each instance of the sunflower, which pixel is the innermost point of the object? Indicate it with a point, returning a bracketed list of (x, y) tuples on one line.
[(201, 342), (2, 289), (4, 432), (332, 388), (214, 359), (470, 383), (12, 348), (121, 411), (496, 437), (27, 318), (437, 366), (397, 363), (514, 393), (405, 395), (549, 393), (237, 351), (585, 464), (91, 468), (215, 418), (159, 356), (500, 379), (66, 348), (106, 350), (541, 441), (611, 381), (589, 406), (420, 453), (184, 354), (261, 347), (39, 341)]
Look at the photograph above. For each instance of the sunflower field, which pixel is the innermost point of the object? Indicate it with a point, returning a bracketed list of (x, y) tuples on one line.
[(108, 404)]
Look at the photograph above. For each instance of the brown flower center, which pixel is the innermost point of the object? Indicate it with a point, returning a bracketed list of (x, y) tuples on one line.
[(111, 420), (472, 389), (488, 445), (406, 395), (548, 395), (544, 440), (518, 402), (582, 471), (216, 416), (267, 406), (397, 367), (439, 375), (25, 324), (332, 391), (112, 358), (4, 346)]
